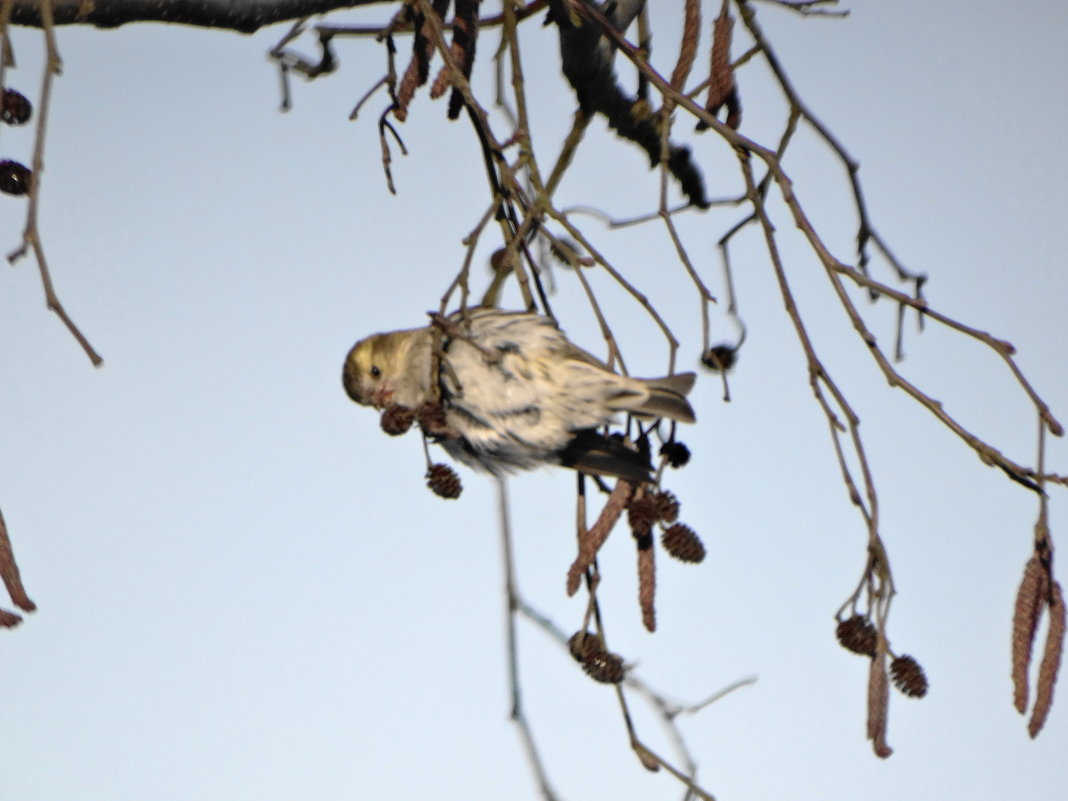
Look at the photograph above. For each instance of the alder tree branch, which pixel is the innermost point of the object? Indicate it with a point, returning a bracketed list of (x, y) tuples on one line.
[(31, 236), (542, 244), (592, 37), (241, 16)]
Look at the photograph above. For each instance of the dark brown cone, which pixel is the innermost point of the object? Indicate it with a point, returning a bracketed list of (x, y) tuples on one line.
[(682, 542), (499, 261), (15, 178), (443, 480), (908, 676), (667, 506), (642, 513), (676, 453), (431, 417), (858, 635), (566, 252), (720, 358), (606, 668), (598, 664), (15, 109), (397, 419), (584, 646)]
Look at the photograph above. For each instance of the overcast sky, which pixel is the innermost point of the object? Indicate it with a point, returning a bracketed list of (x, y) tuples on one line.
[(245, 590)]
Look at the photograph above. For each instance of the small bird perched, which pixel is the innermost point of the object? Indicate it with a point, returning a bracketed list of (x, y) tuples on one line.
[(515, 392)]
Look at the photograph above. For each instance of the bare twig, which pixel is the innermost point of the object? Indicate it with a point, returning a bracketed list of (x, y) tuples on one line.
[(31, 237), (512, 597)]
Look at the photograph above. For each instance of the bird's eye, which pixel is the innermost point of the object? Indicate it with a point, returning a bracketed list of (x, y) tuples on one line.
[(375, 372)]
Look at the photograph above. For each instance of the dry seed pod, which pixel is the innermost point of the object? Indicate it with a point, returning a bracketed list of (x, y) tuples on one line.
[(499, 261), (397, 419), (720, 358), (1051, 661), (878, 705), (566, 252), (599, 664), (465, 34), (908, 676), (15, 109), (443, 480), (676, 453), (682, 542), (418, 68), (667, 506), (431, 417), (642, 513), (688, 49), (1028, 609), (585, 645), (605, 667), (647, 582), (858, 635), (15, 178)]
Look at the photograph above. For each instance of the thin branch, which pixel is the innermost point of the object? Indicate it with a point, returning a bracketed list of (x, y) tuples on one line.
[(809, 7), (374, 31), (31, 237), (511, 590), (986, 452)]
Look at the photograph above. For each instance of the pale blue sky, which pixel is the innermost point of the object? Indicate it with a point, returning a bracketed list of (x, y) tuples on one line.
[(245, 590)]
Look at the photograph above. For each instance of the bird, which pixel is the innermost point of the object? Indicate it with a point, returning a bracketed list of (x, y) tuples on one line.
[(515, 392)]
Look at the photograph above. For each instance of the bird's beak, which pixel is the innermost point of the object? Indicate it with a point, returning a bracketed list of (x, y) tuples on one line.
[(382, 397)]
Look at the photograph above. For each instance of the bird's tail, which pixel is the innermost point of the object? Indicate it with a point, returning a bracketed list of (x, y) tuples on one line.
[(667, 397), (589, 451)]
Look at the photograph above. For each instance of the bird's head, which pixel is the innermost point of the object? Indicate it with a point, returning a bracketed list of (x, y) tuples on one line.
[(388, 369)]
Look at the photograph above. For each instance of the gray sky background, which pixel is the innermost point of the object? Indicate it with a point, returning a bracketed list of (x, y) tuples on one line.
[(245, 590)]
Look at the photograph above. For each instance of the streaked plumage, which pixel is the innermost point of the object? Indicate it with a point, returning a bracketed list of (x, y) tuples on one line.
[(517, 392)]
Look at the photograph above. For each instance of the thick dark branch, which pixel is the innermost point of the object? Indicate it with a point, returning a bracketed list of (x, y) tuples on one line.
[(587, 58), (243, 16)]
